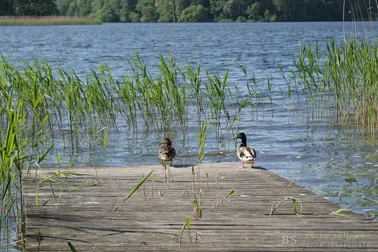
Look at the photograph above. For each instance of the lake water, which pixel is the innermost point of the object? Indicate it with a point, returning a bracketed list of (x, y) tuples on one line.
[(329, 160)]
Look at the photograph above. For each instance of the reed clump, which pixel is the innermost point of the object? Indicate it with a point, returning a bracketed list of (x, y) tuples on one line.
[(47, 20), (57, 103), (339, 82), (45, 109)]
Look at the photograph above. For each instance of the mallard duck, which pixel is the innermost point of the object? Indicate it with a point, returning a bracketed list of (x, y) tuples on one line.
[(166, 151), (245, 153)]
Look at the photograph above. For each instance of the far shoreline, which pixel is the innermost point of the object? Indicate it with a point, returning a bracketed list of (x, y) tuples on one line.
[(46, 20)]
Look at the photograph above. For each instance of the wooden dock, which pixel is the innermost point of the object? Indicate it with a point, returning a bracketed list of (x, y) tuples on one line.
[(79, 209)]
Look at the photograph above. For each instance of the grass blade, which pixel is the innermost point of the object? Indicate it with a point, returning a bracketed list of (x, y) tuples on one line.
[(132, 191), (72, 247)]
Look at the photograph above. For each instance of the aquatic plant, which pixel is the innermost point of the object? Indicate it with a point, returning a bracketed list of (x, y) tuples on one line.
[(339, 83), (201, 139), (17, 154)]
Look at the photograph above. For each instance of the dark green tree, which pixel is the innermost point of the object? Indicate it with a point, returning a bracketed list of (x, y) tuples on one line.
[(80, 8), (194, 13), (234, 9), (35, 7), (267, 5), (333, 10), (63, 6), (134, 17), (216, 9), (253, 12), (204, 3), (127, 9), (167, 10), (107, 14), (147, 9), (181, 5), (291, 10), (6, 8), (269, 16), (97, 5), (211, 10)]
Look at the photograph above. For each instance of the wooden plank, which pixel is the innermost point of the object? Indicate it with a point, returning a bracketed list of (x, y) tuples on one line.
[(80, 210)]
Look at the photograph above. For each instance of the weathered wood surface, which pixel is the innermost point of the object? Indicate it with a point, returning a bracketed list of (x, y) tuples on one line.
[(84, 216)]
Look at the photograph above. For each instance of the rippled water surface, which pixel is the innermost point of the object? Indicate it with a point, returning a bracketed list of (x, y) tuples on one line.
[(336, 162)]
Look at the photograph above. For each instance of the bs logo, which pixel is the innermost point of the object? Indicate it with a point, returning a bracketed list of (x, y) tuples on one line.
[(288, 240)]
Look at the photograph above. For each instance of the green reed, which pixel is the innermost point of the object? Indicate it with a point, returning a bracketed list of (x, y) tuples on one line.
[(191, 77), (201, 139), (15, 155), (23, 142), (9, 171), (59, 98), (217, 89), (340, 81), (165, 98), (177, 92)]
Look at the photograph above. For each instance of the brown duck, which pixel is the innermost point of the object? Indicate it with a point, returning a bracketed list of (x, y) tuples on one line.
[(166, 151)]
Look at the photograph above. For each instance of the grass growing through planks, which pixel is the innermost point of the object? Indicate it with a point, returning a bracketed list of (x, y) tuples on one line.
[(207, 180), (72, 247), (294, 202), (196, 178), (197, 210), (162, 193), (226, 197), (340, 212), (59, 179), (133, 190), (152, 183), (186, 226)]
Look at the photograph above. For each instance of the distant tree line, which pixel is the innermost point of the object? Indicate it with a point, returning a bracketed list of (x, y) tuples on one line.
[(28, 8), (197, 10)]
